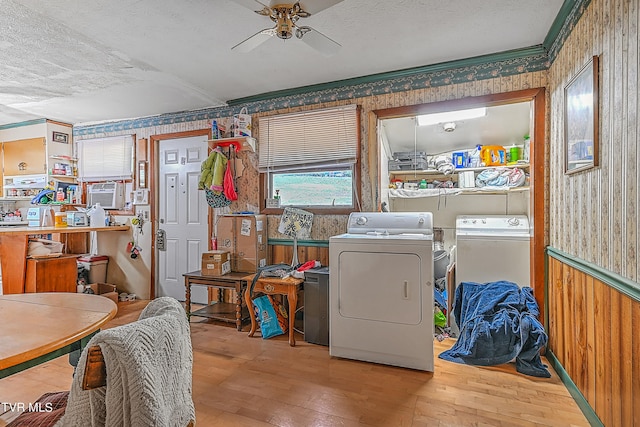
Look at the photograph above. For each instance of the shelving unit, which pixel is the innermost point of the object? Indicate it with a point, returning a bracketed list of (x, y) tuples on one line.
[(431, 192), (70, 168), (23, 187), (245, 143), (434, 173)]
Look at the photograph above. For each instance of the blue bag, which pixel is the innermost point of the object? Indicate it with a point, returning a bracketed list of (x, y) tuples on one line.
[(271, 322)]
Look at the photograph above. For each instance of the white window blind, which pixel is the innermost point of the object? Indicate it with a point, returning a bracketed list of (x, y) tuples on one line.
[(105, 159), (308, 139)]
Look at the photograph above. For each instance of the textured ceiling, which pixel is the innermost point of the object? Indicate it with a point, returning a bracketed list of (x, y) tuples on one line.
[(90, 61)]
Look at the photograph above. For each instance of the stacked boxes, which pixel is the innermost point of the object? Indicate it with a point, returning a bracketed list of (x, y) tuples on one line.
[(245, 237), (216, 263)]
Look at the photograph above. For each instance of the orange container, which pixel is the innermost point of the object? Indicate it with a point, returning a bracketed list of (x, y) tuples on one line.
[(493, 155), (60, 219)]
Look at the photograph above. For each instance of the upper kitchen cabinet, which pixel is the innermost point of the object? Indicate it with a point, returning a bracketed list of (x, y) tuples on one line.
[(33, 154), (25, 157)]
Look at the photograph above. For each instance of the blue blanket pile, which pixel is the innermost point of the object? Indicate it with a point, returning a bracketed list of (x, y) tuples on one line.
[(498, 323)]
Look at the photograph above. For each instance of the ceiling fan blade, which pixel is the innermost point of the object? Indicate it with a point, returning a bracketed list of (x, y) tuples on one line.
[(254, 5), (316, 6), (320, 42), (254, 41)]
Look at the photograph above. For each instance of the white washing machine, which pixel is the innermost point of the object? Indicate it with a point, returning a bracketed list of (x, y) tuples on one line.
[(381, 290), (493, 247)]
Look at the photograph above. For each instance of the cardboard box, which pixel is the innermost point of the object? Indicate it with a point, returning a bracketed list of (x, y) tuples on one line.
[(245, 237), (105, 290), (216, 263)]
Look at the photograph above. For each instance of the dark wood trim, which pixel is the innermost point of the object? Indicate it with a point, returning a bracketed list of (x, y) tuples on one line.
[(461, 103), (537, 190), (537, 184), (153, 178), (374, 156), (55, 122), (315, 211)]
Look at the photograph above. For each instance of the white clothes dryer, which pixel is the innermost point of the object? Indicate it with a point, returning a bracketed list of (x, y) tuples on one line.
[(381, 289)]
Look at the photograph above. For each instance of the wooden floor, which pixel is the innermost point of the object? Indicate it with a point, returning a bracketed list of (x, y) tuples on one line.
[(241, 381)]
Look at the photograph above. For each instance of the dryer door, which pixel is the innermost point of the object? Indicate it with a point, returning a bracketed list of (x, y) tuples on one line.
[(380, 286)]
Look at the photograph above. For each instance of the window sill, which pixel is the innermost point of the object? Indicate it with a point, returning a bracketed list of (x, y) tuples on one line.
[(315, 211)]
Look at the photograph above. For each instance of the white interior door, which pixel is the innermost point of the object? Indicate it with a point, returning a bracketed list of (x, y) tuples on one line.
[(182, 215)]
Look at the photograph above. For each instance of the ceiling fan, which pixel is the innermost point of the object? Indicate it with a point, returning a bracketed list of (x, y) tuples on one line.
[(286, 17)]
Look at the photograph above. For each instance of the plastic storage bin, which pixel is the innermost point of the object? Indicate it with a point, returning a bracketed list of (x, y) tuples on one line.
[(96, 265)]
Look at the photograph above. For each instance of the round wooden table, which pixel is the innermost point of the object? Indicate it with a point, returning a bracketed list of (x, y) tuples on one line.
[(39, 327)]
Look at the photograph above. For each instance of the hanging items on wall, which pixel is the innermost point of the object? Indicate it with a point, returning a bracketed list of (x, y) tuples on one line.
[(217, 177), (132, 247)]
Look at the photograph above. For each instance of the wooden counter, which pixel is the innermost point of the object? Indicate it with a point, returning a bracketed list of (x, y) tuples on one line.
[(14, 243), (21, 231)]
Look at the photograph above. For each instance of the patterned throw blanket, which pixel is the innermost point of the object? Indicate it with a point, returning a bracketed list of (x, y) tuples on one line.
[(149, 373)]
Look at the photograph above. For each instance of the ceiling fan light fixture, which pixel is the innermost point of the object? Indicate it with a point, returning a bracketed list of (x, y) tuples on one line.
[(285, 28), (301, 31), (285, 17)]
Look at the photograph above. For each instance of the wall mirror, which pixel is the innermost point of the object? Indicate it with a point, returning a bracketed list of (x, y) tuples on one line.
[(581, 119)]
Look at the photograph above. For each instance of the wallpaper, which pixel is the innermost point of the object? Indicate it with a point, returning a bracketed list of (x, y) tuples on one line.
[(594, 213), (328, 225)]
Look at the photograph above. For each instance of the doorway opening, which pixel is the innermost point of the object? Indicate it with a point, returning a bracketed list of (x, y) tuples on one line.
[(525, 110)]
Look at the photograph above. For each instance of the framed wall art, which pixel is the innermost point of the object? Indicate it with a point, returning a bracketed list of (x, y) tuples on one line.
[(60, 137), (581, 119)]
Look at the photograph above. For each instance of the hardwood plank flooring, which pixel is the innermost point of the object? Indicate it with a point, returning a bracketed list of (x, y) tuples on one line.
[(242, 381)]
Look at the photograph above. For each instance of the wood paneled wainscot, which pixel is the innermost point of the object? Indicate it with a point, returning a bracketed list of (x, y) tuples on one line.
[(594, 343), (281, 251)]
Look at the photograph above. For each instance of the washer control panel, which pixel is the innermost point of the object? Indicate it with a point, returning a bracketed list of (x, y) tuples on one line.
[(389, 223), (518, 223)]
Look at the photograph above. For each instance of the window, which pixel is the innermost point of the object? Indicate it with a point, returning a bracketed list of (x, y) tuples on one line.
[(106, 159), (309, 159)]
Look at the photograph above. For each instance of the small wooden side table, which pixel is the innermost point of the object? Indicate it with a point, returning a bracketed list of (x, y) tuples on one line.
[(288, 287), (226, 312)]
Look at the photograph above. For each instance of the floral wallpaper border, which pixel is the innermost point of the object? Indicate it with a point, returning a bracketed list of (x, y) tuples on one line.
[(570, 22), (420, 80)]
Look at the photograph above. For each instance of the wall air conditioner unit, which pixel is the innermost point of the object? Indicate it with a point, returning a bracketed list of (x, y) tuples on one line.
[(110, 195)]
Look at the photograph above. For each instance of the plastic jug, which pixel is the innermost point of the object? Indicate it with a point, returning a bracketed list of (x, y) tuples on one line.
[(97, 216), (493, 155), (474, 157)]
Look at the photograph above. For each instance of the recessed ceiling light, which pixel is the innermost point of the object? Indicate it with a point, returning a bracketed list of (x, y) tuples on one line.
[(451, 116)]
